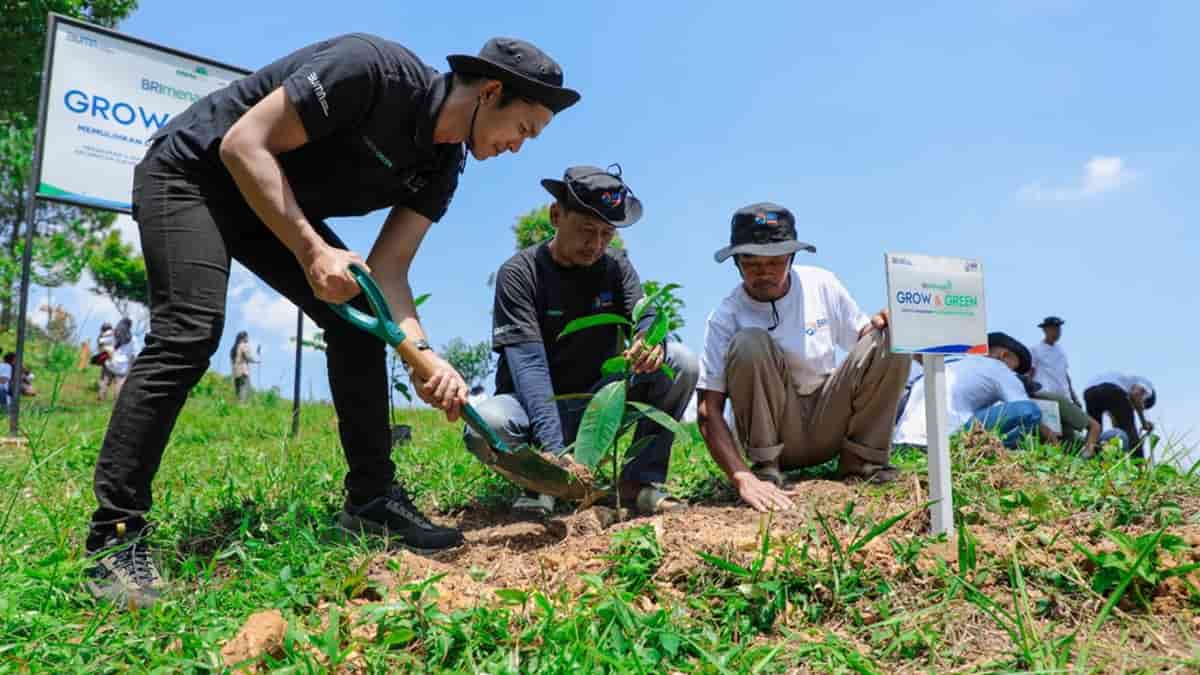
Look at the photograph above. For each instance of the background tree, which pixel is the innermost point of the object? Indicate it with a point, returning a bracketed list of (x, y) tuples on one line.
[(66, 234), (472, 361), (120, 274)]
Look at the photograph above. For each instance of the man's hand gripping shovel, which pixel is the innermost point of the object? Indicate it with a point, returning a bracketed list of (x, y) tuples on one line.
[(523, 465)]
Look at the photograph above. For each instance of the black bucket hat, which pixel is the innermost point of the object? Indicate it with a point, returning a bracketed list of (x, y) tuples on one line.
[(763, 229), (520, 65), (1024, 358), (1051, 321), (602, 192)]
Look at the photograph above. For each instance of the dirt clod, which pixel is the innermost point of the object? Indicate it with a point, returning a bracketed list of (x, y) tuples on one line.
[(261, 634)]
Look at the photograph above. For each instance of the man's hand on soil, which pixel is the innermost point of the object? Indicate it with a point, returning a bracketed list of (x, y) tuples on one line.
[(328, 273), (760, 494), (444, 390)]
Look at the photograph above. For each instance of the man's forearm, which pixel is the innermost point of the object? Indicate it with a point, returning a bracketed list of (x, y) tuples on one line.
[(719, 440), (262, 182)]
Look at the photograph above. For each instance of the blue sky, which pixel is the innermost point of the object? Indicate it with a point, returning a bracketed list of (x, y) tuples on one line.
[(1056, 141)]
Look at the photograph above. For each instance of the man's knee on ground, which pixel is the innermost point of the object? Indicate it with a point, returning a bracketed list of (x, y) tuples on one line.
[(496, 413), (683, 362)]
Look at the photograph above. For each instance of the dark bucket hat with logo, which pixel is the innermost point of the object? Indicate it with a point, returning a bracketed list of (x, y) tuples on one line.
[(1024, 358), (1051, 321), (520, 65), (597, 191), (763, 229)]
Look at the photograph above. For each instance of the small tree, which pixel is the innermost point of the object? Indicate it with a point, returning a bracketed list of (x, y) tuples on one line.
[(535, 227), (472, 361), (120, 274)]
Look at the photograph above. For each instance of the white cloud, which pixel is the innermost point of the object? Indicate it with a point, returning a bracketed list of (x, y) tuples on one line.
[(129, 231), (1100, 175), (272, 317)]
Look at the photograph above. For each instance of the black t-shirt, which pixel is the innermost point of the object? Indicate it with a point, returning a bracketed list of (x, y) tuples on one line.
[(536, 298), (369, 107)]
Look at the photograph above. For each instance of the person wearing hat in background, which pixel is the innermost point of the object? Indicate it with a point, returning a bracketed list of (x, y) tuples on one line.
[(1050, 361), (546, 286), (769, 349), (342, 127), (981, 390), (1122, 396)]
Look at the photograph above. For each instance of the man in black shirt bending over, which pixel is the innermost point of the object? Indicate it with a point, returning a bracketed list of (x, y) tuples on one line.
[(339, 128), (543, 288)]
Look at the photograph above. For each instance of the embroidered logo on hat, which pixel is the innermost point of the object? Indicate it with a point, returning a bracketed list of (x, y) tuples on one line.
[(767, 218), (612, 199)]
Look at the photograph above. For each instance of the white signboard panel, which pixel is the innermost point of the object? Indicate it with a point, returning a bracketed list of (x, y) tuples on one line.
[(1050, 416), (108, 94), (936, 304)]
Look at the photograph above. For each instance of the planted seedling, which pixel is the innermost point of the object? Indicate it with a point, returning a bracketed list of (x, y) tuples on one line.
[(609, 413)]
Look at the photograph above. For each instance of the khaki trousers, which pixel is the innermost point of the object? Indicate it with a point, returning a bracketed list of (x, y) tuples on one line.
[(849, 416)]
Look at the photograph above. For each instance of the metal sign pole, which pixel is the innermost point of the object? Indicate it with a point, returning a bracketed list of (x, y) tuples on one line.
[(35, 171), (941, 513)]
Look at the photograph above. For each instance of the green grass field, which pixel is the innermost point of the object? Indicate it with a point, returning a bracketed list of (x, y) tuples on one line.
[(1061, 565)]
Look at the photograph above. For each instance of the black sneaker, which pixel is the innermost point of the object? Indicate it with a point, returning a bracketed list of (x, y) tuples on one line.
[(393, 515), (125, 573)]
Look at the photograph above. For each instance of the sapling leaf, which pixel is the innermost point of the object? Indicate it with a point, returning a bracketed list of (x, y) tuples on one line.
[(600, 423), (725, 565), (593, 321), (669, 371), (640, 308), (661, 418), (420, 299), (615, 365), (658, 330)]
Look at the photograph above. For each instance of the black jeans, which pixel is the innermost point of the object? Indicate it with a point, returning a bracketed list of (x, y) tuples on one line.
[(190, 227), (1111, 399)]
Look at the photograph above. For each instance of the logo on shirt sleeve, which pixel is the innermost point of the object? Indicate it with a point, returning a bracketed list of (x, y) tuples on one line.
[(813, 326), (603, 301), (319, 91)]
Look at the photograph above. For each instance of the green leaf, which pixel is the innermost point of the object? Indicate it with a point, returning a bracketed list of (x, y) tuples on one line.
[(615, 365), (512, 596), (593, 321), (725, 565), (640, 308), (658, 330), (879, 529), (601, 421), (661, 418), (420, 299), (669, 371)]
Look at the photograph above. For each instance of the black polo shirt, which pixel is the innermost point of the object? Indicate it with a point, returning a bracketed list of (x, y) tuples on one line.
[(369, 107), (536, 298)]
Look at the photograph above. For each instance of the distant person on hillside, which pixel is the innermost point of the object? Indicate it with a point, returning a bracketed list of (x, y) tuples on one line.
[(981, 390), (105, 343), (1122, 397), (27, 389), (546, 286), (240, 358), (1050, 367), (253, 172), (769, 349), (123, 354)]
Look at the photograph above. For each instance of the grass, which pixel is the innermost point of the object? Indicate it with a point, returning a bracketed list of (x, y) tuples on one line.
[(1060, 565)]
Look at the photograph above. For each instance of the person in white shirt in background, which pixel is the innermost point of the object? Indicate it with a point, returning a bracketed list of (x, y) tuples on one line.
[(981, 390), (240, 358), (1051, 381), (1121, 396), (1050, 361), (769, 349), (104, 350), (5, 380), (122, 355)]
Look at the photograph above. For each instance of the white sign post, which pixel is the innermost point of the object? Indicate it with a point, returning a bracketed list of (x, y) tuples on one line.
[(1050, 414), (936, 308), (103, 95)]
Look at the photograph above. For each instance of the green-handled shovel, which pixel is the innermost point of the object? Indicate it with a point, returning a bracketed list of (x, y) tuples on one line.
[(523, 466)]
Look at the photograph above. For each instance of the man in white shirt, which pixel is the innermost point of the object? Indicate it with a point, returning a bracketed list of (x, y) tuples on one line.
[(769, 349), (1121, 396), (981, 390), (1050, 361)]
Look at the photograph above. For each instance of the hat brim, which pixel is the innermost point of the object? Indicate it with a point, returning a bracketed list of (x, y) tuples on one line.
[(771, 249), (557, 99), (558, 190), (1050, 323)]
